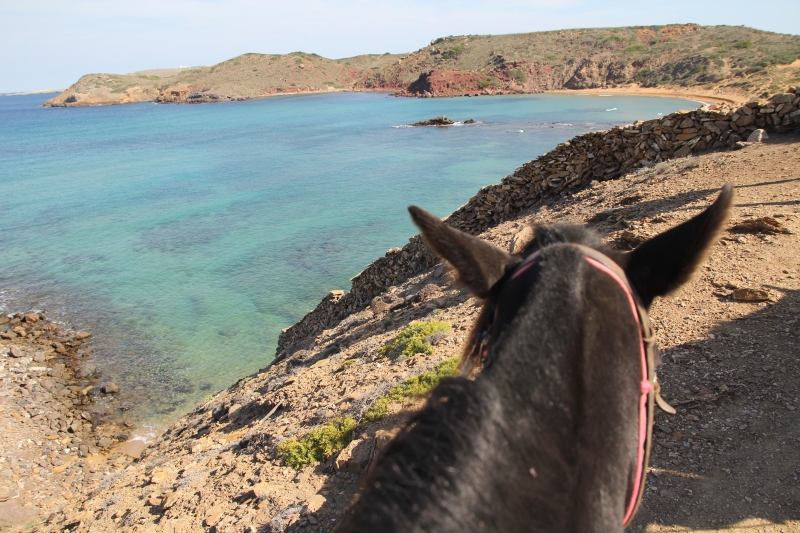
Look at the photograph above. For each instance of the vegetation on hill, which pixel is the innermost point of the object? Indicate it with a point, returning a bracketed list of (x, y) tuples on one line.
[(712, 58)]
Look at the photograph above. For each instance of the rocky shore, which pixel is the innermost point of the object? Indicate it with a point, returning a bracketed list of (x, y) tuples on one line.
[(54, 436)]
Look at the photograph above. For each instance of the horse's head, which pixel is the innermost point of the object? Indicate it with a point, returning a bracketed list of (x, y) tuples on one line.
[(655, 268), (554, 433)]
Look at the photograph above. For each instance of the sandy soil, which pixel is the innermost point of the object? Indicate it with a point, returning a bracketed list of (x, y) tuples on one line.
[(693, 93)]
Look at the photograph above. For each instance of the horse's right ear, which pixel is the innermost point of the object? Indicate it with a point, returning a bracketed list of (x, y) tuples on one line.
[(478, 263), (665, 262)]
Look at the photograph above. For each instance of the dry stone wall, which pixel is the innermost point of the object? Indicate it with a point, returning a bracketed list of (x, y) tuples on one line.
[(601, 155)]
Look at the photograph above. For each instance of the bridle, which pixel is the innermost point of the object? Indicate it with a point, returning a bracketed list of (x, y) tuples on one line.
[(650, 390)]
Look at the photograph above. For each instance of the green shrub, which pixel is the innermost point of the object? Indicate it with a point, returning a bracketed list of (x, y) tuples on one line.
[(518, 75), (694, 71), (741, 45), (319, 444), (636, 48), (453, 52), (616, 38), (416, 386), (411, 340), (325, 441)]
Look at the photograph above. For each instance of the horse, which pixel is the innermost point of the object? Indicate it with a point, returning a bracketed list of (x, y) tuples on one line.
[(552, 431)]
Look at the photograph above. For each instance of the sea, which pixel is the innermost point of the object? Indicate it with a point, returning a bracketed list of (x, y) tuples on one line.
[(185, 237)]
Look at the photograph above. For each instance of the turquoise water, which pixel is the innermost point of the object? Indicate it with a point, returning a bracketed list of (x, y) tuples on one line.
[(185, 237)]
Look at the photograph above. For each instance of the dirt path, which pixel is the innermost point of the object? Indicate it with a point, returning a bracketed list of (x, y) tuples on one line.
[(728, 461)]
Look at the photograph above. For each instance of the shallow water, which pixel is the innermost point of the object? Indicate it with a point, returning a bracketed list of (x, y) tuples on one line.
[(186, 236)]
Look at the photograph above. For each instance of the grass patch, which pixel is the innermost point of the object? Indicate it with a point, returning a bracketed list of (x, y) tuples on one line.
[(318, 444), (411, 340), (741, 45), (325, 441), (416, 386), (636, 48), (347, 364)]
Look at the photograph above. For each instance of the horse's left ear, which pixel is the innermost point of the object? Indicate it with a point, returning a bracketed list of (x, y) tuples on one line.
[(478, 263), (665, 262)]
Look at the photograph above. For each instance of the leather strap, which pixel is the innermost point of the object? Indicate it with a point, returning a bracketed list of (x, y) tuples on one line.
[(650, 385)]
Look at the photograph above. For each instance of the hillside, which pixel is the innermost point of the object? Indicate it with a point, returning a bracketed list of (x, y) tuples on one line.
[(735, 63), (241, 78), (245, 460)]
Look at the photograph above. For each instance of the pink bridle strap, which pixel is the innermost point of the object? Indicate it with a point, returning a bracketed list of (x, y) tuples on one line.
[(649, 389), (646, 387)]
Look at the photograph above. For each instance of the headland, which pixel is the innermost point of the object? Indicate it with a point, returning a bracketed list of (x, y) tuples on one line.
[(720, 63)]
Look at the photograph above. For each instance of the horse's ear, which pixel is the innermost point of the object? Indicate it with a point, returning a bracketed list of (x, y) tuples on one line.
[(478, 263), (665, 262)]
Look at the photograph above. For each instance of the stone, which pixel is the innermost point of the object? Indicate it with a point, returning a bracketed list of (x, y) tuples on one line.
[(110, 388), (105, 442), (82, 335), (16, 351), (757, 136), (782, 98), (264, 491), (31, 318), (87, 370), (355, 457), (750, 295), (59, 347), (683, 151), (200, 445), (315, 503), (158, 477), (213, 516), (170, 500)]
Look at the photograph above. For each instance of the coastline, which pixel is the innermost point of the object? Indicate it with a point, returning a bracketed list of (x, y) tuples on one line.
[(681, 93), (54, 435), (702, 96)]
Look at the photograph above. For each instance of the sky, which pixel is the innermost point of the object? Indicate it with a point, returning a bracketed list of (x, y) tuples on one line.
[(51, 43)]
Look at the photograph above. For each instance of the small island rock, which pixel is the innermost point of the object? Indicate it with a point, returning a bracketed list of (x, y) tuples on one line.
[(435, 121)]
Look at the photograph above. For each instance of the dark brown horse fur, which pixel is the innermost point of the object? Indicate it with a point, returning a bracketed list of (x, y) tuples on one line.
[(545, 438)]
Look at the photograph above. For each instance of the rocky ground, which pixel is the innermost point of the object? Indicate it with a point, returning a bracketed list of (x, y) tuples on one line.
[(728, 461), (54, 437)]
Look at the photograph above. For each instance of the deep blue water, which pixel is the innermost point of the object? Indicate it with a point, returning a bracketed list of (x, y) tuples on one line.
[(186, 236)]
